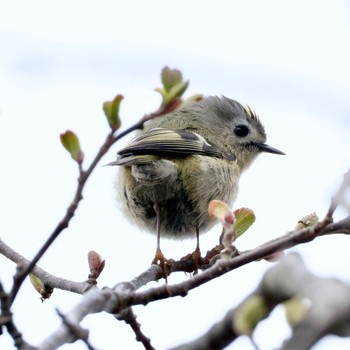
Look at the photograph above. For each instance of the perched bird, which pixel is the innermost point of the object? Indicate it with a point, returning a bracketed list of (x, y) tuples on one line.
[(181, 161)]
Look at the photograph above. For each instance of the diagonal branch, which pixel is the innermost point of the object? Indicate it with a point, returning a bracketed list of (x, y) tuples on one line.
[(125, 294), (328, 311), (63, 224), (338, 198), (129, 318), (47, 278), (78, 196)]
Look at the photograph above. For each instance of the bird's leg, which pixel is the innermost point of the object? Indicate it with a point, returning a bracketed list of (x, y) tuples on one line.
[(159, 255), (196, 255), (159, 258), (197, 237)]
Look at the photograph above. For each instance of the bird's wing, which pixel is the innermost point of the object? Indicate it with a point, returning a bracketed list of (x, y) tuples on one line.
[(168, 143)]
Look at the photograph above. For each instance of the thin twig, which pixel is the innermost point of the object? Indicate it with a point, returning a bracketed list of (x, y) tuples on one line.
[(48, 279), (83, 177), (223, 266), (129, 318), (124, 294), (6, 319), (286, 241), (337, 198), (284, 281), (77, 331)]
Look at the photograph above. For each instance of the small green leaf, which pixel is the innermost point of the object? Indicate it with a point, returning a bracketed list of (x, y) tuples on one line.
[(177, 90), (245, 217), (164, 95), (173, 86), (170, 77), (111, 109), (248, 314), (71, 143)]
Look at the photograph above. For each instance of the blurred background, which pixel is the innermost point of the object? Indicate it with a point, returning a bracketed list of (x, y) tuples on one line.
[(59, 61)]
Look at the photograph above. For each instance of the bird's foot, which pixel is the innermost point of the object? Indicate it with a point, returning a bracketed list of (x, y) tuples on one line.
[(160, 260), (197, 260)]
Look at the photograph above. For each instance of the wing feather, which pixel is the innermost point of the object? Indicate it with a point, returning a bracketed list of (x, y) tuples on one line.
[(170, 143)]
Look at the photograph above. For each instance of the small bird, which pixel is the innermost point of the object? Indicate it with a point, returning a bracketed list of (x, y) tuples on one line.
[(183, 160)]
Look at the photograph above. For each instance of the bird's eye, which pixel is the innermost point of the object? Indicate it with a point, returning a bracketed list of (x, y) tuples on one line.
[(241, 130)]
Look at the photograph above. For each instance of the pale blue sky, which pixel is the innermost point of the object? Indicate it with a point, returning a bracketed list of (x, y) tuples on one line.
[(59, 61)]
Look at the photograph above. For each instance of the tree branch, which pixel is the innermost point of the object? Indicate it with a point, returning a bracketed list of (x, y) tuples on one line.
[(6, 319), (47, 278), (328, 312), (129, 318), (125, 294), (78, 196), (339, 197), (63, 224)]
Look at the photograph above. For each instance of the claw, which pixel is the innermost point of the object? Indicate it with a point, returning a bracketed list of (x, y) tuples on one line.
[(160, 260), (196, 256)]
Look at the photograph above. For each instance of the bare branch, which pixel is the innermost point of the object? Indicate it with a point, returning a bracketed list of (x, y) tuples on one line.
[(78, 196), (6, 320), (47, 278), (220, 335), (77, 331), (63, 224), (329, 299), (222, 266), (328, 312), (129, 318), (338, 198), (125, 294)]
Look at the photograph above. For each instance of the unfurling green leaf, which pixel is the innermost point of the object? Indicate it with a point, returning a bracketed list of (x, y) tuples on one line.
[(173, 86), (71, 143), (111, 109), (249, 314), (170, 77), (245, 217), (177, 90)]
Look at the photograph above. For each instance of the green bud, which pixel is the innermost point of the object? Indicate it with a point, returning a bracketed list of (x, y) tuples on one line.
[(44, 290), (307, 221), (111, 109), (71, 143), (36, 282)]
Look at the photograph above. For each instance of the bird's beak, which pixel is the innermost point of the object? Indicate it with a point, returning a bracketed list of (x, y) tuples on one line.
[(268, 149)]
